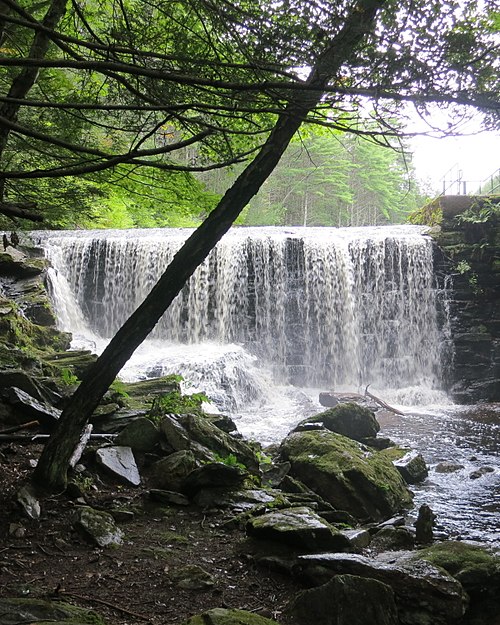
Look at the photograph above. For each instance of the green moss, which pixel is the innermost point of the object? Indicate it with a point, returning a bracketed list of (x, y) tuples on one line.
[(429, 215), (473, 566)]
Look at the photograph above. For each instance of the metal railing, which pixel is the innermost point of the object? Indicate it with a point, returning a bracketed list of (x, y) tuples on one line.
[(453, 183)]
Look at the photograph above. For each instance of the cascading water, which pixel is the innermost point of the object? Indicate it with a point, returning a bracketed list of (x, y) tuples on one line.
[(329, 307), (273, 315)]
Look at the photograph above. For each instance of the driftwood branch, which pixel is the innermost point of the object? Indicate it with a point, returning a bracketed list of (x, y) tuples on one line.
[(382, 403), (84, 439)]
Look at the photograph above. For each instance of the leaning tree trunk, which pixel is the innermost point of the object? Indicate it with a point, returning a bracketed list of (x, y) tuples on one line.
[(51, 471)]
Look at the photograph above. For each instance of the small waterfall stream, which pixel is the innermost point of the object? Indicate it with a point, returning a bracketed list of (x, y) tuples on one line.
[(275, 315)]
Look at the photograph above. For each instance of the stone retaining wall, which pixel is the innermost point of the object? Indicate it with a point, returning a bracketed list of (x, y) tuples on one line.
[(468, 250)]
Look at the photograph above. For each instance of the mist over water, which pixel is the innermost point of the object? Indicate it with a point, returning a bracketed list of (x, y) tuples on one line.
[(274, 316)]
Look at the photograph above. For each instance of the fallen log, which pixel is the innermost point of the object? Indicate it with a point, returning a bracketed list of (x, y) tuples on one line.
[(382, 403)]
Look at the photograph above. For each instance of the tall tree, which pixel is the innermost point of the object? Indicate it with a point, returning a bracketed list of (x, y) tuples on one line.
[(234, 86)]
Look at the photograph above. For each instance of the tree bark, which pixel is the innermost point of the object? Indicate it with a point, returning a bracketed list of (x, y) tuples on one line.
[(53, 464)]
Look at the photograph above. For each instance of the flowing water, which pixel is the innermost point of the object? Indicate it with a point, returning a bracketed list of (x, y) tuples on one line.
[(274, 316)]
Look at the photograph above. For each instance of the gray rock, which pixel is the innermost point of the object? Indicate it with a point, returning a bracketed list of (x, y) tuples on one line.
[(120, 462), (328, 400), (358, 538), (42, 412), (298, 527), (480, 472), (236, 500), (212, 475), (140, 435), (169, 497), (363, 483), (393, 539), (170, 472), (448, 467), (192, 577), (424, 594), (98, 526), (29, 611), (412, 467), (346, 600), (27, 500), (351, 420), (223, 616)]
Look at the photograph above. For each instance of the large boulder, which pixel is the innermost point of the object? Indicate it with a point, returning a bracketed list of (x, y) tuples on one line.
[(346, 474), (298, 527), (424, 594), (346, 600), (349, 419)]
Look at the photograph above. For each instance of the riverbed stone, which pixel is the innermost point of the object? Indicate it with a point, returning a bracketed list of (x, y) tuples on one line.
[(349, 419), (412, 467), (346, 600), (192, 577), (99, 526), (119, 461), (346, 474), (31, 408), (448, 467), (27, 499), (424, 594), (20, 611), (393, 539), (298, 527)]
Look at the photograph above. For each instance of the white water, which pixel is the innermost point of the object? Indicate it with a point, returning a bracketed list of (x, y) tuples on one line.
[(273, 317)]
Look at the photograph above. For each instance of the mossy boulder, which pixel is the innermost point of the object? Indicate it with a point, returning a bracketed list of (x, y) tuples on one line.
[(223, 616), (36, 611), (347, 474), (348, 419), (476, 568)]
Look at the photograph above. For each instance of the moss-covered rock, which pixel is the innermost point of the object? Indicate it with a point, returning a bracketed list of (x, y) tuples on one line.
[(348, 475), (476, 568), (35, 611), (222, 616), (348, 419)]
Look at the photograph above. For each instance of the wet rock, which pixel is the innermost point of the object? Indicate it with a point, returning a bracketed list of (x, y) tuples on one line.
[(378, 442), (475, 567), (120, 462), (346, 600), (34, 611), (140, 435), (169, 497), (212, 475), (192, 577), (298, 527), (475, 475), (350, 420), (98, 526), (328, 400), (223, 422), (424, 525), (27, 499), (33, 409), (393, 539), (424, 594), (35, 387), (362, 482), (223, 616), (448, 467), (170, 472), (358, 538), (412, 467), (274, 474)]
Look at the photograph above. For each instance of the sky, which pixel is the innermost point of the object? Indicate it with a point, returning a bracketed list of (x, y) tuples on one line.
[(470, 158)]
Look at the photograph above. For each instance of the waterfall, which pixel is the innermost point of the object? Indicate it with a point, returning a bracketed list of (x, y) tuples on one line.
[(323, 307)]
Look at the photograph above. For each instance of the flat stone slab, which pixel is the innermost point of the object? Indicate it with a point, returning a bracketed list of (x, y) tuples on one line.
[(298, 527), (120, 462), (99, 526)]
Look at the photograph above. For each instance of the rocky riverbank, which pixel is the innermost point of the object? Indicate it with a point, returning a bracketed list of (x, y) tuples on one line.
[(170, 517)]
